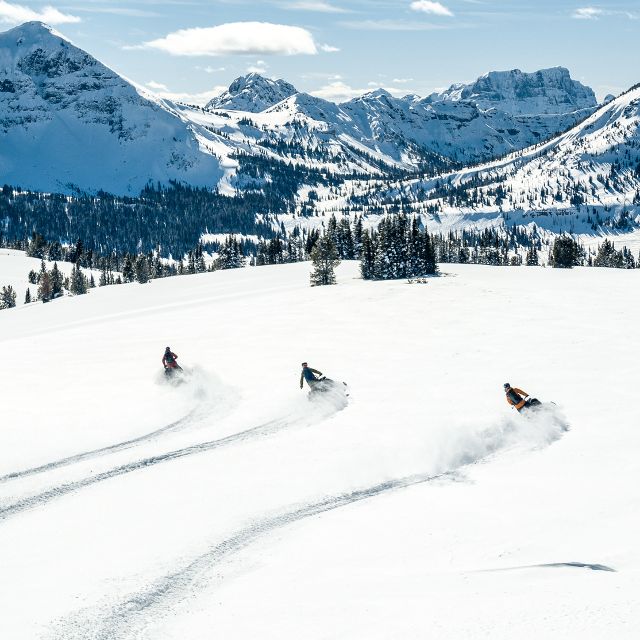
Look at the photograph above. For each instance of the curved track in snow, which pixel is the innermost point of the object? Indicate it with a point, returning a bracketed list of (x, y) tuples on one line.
[(117, 622), (60, 490), (128, 617), (102, 451)]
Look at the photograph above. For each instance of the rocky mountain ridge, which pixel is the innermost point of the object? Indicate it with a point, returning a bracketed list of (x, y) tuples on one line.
[(58, 105)]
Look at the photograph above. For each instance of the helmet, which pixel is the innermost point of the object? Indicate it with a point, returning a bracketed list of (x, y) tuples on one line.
[(507, 385), (168, 349), (304, 364)]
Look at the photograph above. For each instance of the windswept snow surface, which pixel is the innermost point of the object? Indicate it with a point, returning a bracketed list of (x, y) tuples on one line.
[(231, 506)]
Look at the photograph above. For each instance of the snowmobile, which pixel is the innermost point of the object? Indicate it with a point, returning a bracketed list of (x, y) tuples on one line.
[(174, 374), (531, 404), (327, 388)]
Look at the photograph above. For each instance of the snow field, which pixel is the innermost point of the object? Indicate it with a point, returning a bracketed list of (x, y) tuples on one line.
[(389, 518)]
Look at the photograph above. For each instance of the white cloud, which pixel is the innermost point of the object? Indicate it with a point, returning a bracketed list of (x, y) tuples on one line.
[(118, 11), (595, 13), (17, 13), (237, 38), (260, 66), (339, 91), (432, 8), (199, 99), (327, 48), (402, 80), (157, 86), (210, 69), (313, 5), (587, 13)]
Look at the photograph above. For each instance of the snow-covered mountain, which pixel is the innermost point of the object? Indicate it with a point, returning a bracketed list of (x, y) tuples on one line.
[(68, 121), (466, 125), (583, 180), (252, 93), (58, 105), (548, 91), (460, 130)]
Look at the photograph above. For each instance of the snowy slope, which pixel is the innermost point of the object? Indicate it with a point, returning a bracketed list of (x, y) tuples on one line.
[(68, 121), (15, 267), (423, 508)]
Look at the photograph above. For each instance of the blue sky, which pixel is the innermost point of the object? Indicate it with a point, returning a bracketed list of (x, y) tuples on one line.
[(190, 49)]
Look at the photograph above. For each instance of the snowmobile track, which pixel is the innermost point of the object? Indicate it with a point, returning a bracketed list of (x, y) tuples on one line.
[(63, 489), (118, 622), (94, 453)]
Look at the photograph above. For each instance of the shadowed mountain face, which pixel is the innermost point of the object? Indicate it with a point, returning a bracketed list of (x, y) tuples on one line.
[(66, 120)]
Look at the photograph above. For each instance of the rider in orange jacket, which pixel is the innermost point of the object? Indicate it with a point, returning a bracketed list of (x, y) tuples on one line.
[(518, 398)]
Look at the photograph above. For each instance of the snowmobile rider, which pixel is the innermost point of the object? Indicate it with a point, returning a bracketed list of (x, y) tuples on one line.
[(169, 359), (309, 375), (518, 398)]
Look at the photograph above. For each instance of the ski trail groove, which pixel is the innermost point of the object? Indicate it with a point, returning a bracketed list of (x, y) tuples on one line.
[(94, 453), (117, 624), (61, 490)]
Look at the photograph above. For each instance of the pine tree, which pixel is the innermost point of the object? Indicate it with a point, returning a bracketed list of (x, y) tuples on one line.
[(325, 259), (607, 256), (565, 253), (428, 258), (57, 280), (128, 272), (345, 244), (44, 288), (230, 255), (191, 262), (142, 269), (532, 259), (7, 298), (367, 256), (78, 283), (357, 236), (37, 246), (27, 296)]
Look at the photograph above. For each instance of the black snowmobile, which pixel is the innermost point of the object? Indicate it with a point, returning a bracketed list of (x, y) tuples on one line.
[(326, 387), (174, 374), (530, 403)]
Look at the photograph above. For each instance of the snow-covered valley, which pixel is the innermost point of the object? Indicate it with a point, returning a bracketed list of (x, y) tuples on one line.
[(232, 506)]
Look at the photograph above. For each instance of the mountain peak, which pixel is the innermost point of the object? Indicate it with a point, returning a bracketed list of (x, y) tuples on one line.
[(55, 96), (253, 93), (32, 32), (547, 91)]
